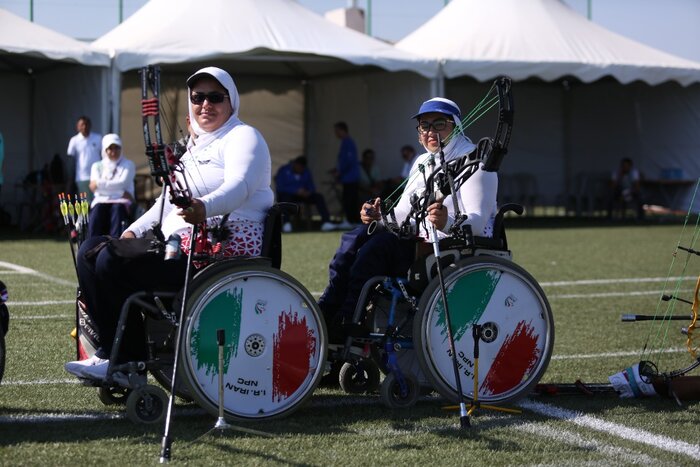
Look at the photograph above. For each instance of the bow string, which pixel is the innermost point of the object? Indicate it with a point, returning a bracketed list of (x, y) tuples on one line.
[(167, 167), (447, 178), (666, 313)]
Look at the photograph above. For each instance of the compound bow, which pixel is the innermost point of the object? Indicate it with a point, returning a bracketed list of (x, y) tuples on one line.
[(451, 175), (657, 337)]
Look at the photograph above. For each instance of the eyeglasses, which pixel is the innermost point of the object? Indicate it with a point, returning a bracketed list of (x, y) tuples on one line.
[(437, 125), (198, 98)]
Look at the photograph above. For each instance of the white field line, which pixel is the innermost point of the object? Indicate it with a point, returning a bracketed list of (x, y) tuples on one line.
[(628, 353), (633, 280), (17, 269), (40, 381), (622, 456), (88, 416), (19, 318), (42, 303), (619, 453), (637, 280), (632, 434)]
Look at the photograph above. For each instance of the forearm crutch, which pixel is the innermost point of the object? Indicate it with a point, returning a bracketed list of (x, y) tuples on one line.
[(463, 415), (166, 442)]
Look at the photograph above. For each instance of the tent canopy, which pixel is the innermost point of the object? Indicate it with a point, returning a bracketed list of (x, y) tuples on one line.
[(21, 42), (297, 74), (50, 79), (538, 39), (279, 36)]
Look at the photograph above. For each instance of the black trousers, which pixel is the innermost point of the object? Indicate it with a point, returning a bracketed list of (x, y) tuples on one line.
[(107, 280), (359, 258), (108, 219)]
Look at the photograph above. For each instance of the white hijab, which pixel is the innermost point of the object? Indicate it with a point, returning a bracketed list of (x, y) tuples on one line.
[(108, 165), (204, 138)]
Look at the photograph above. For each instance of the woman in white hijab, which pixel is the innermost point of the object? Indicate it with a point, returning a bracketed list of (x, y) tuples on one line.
[(112, 182), (228, 169)]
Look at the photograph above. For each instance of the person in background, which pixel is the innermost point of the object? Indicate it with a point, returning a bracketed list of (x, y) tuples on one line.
[(408, 156), (85, 148), (625, 189), (347, 173), (112, 182), (371, 184), (295, 184)]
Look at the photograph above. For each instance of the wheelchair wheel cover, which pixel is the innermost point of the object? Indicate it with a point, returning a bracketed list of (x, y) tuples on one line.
[(518, 330), (275, 342)]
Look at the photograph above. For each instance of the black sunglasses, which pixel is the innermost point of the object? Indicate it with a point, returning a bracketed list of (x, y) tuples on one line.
[(438, 125), (198, 98)]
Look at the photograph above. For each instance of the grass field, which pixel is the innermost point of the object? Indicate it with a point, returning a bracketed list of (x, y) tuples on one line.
[(590, 274)]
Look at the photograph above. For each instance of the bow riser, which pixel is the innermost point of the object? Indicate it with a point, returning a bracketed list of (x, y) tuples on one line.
[(162, 160)]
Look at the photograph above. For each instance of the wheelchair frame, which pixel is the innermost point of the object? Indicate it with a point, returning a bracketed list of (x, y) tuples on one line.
[(146, 403), (382, 345)]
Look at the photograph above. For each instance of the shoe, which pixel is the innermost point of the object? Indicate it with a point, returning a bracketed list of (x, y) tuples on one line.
[(76, 368), (98, 371), (345, 225), (327, 227), (287, 227)]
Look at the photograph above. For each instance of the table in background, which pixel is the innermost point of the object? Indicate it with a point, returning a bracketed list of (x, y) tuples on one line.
[(670, 191)]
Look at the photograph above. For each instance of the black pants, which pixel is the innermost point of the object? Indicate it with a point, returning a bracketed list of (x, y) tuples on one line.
[(108, 219), (107, 280), (359, 258)]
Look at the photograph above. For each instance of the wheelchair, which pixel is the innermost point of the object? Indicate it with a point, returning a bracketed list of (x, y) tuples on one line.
[(502, 326), (275, 340)]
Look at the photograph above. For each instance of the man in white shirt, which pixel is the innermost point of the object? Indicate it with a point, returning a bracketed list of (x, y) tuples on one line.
[(85, 147)]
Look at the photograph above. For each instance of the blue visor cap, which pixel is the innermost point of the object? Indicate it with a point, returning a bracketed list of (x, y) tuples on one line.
[(439, 105)]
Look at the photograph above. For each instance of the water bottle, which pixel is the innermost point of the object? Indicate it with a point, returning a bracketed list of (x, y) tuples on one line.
[(172, 247)]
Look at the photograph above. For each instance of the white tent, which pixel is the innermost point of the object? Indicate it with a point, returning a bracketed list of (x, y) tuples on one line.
[(584, 96), (539, 39), (163, 31), (48, 80), (297, 72)]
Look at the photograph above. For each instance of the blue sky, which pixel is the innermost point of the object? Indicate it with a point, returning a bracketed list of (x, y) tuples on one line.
[(671, 25)]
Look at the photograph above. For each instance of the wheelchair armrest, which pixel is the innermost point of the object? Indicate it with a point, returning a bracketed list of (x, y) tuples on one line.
[(272, 233), (510, 207), (499, 232), (288, 209)]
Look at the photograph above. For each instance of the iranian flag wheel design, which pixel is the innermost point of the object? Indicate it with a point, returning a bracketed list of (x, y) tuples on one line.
[(517, 330), (275, 342)]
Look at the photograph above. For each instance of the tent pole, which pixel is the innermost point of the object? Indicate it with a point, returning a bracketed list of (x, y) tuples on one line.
[(437, 84), (32, 115), (566, 134), (115, 97)]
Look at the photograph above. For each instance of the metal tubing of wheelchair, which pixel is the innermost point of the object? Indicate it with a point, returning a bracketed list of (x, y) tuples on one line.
[(166, 442), (359, 311), (119, 334), (463, 415)]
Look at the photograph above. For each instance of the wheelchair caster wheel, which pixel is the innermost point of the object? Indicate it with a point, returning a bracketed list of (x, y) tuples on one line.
[(359, 377), (390, 391), (146, 404), (113, 396)]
